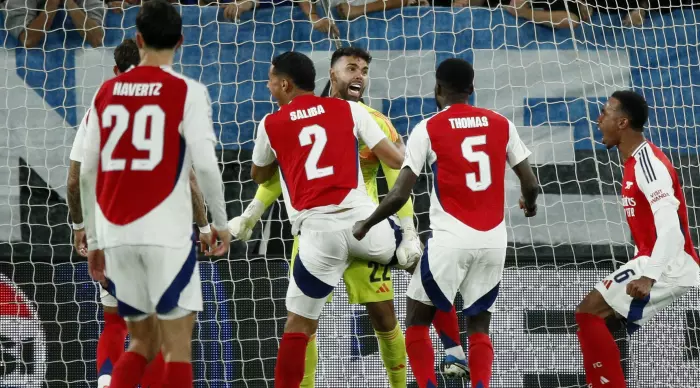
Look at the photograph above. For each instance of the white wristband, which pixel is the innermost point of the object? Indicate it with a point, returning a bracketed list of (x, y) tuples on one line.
[(205, 229), (79, 226)]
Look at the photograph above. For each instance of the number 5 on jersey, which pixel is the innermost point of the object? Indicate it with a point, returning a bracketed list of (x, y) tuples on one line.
[(153, 144), (479, 157), (318, 143)]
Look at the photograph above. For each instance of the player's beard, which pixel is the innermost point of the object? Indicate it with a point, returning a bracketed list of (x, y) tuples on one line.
[(348, 95)]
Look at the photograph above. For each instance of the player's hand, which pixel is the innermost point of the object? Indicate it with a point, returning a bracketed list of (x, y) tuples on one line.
[(241, 228), (528, 212), (80, 242), (359, 230), (409, 251), (96, 265), (220, 248), (640, 288), (204, 241), (326, 27)]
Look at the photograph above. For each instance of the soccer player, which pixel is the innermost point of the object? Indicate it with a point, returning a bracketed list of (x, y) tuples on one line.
[(665, 265), (145, 126), (368, 283), (313, 140), (110, 345), (468, 149)]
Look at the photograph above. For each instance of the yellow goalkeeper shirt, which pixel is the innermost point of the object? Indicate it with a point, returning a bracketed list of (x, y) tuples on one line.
[(369, 164)]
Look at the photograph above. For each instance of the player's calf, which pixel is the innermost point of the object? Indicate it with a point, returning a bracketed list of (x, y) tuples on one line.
[(419, 347), (289, 370), (392, 347), (601, 356), (176, 329), (480, 349), (143, 347)]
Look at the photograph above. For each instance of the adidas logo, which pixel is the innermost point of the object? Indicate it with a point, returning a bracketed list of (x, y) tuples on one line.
[(398, 367), (384, 288), (603, 380), (607, 283)]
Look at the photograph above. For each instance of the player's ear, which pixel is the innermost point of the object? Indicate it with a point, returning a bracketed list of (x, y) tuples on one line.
[(139, 41), (179, 42), (116, 70)]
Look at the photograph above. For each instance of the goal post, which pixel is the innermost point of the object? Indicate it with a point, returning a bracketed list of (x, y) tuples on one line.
[(550, 83)]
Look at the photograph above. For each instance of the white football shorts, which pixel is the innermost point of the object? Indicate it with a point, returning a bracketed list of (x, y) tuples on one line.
[(443, 271), (150, 280), (325, 245), (638, 311)]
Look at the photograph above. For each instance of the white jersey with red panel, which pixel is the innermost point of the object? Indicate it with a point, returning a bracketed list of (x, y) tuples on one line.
[(146, 128), (315, 139), (467, 149), (650, 183), (654, 204)]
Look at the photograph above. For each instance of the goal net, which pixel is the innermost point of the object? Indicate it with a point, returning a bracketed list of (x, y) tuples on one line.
[(550, 83)]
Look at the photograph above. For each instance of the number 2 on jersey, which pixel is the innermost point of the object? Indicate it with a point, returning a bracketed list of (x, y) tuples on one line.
[(479, 157), (152, 144), (317, 145)]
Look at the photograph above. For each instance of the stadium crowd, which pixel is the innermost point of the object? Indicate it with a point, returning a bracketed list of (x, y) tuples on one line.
[(29, 20)]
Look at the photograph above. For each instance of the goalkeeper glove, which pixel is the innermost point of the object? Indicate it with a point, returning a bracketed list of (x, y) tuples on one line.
[(409, 251), (241, 227)]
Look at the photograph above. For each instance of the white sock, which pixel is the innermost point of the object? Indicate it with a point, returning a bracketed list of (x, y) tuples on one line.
[(456, 351), (104, 381)]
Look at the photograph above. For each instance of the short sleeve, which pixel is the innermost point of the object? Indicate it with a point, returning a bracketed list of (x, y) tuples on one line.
[(417, 148), (197, 123), (76, 151), (95, 10), (516, 149), (365, 127), (655, 181), (263, 155), (18, 14)]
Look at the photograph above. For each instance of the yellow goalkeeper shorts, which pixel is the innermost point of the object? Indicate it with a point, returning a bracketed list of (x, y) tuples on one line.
[(365, 282)]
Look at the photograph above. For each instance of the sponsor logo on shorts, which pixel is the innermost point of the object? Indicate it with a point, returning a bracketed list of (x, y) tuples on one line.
[(384, 288)]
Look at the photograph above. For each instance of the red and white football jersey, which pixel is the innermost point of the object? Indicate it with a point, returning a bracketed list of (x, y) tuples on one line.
[(649, 183), (140, 131), (467, 149), (314, 140)]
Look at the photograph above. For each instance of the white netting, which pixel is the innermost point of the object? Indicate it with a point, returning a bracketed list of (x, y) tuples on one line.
[(550, 83)]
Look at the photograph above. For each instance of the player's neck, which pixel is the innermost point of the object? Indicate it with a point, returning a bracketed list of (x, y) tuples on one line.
[(157, 58), (630, 144), (455, 102), (301, 93)]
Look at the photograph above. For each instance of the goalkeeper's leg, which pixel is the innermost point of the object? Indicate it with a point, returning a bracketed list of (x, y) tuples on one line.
[(370, 284)]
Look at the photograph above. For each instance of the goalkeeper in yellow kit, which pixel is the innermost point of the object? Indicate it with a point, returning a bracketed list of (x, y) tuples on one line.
[(367, 283)]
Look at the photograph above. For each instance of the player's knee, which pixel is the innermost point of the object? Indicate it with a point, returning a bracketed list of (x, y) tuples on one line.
[(110, 309), (382, 315), (591, 303), (418, 314), (479, 323), (299, 324)]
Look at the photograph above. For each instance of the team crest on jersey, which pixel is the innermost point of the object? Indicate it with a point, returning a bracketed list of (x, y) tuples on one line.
[(22, 340), (628, 185)]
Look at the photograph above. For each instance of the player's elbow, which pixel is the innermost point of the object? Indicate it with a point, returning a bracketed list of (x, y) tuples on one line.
[(258, 174)]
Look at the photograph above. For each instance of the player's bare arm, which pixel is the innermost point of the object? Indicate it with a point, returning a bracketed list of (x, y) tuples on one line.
[(262, 174), (389, 154), (393, 201), (75, 210), (199, 210), (529, 188)]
